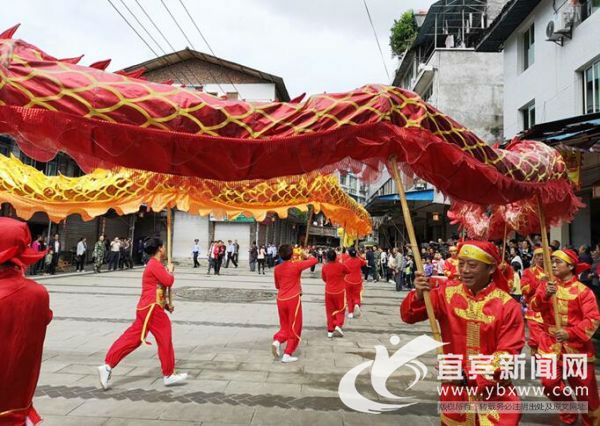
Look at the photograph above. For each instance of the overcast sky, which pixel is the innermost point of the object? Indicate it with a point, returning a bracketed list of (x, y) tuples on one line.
[(315, 45)]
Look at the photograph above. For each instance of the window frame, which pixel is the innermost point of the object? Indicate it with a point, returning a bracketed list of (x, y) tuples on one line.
[(528, 115), (594, 68), (528, 46)]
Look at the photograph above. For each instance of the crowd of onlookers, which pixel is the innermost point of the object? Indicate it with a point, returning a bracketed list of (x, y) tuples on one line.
[(395, 265), (118, 253)]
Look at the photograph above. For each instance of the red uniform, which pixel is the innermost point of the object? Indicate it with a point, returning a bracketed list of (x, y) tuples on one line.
[(451, 268), (333, 274), (24, 316), (287, 282), (150, 317), (487, 323), (354, 281), (580, 318), (530, 281)]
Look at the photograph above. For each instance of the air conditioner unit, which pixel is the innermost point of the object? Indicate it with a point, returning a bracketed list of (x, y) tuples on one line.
[(561, 26)]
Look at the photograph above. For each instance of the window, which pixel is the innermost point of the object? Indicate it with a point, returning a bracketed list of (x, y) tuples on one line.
[(232, 96), (528, 114), (528, 47), (353, 182), (343, 180), (591, 89)]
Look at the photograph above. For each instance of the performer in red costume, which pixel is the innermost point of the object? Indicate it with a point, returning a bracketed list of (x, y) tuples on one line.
[(333, 274), (580, 319), (354, 282), (477, 317), (531, 279), (289, 304), (24, 315), (451, 264), (150, 317)]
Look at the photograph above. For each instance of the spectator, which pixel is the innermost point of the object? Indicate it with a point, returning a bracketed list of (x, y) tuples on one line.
[(115, 254), (212, 262), (261, 258), (56, 250), (221, 255), (428, 267), (409, 272), (236, 252), (196, 253), (370, 266), (36, 247), (230, 254), (438, 264), (99, 254), (400, 267), (48, 261), (383, 264), (376, 263), (269, 256), (253, 252), (81, 254)]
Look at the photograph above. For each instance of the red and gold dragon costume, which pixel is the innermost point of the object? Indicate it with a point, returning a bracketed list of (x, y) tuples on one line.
[(104, 119)]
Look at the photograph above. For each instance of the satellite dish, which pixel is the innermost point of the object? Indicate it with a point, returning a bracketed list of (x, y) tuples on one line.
[(550, 29)]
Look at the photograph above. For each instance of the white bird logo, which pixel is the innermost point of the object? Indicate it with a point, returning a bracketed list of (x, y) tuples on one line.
[(381, 369)]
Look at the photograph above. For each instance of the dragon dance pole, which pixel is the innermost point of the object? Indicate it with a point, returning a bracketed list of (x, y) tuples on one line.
[(547, 259), (415, 247), (169, 296), (504, 242), (308, 222)]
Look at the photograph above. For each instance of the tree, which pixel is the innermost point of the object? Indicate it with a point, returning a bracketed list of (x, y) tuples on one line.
[(403, 33)]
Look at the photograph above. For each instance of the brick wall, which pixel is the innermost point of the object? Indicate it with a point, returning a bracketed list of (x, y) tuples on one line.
[(199, 72)]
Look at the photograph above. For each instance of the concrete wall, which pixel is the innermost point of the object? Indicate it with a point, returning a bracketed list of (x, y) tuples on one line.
[(250, 88), (264, 92), (554, 80), (468, 86)]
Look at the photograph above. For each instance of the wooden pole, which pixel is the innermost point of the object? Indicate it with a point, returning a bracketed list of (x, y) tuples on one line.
[(308, 222), (415, 247), (169, 295), (547, 259), (504, 242), (343, 237), (169, 235)]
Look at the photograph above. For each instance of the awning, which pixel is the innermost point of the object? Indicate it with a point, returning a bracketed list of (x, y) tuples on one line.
[(426, 195), (580, 133), (381, 204)]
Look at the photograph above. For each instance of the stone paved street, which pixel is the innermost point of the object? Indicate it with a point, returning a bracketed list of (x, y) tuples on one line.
[(222, 329)]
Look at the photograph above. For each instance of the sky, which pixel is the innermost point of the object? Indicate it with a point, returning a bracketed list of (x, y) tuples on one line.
[(314, 45)]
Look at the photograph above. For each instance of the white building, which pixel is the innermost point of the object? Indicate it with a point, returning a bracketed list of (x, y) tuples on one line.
[(353, 186), (552, 72), (443, 67), (234, 81)]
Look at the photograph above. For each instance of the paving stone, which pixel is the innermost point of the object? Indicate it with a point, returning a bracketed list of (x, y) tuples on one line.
[(208, 413)]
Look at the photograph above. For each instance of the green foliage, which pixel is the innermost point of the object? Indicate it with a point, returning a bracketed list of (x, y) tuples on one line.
[(403, 33)]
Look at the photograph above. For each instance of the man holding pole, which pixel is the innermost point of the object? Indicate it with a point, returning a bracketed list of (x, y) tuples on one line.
[(579, 319), (479, 321)]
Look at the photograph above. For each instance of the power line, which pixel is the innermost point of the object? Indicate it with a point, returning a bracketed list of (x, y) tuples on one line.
[(140, 36), (206, 42), (190, 42), (169, 44), (376, 39), (143, 27)]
